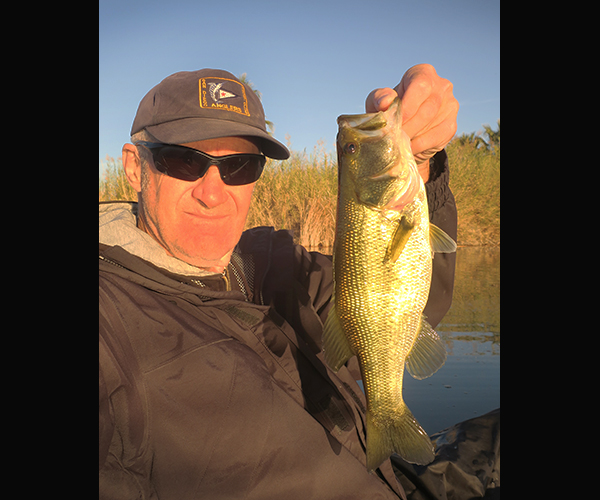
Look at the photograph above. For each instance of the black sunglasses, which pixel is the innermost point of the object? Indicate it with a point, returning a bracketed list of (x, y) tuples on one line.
[(190, 164)]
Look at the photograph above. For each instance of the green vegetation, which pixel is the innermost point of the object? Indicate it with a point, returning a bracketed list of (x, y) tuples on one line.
[(113, 185), (301, 193), (475, 182)]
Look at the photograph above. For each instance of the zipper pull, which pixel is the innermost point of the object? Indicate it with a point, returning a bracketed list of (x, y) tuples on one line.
[(226, 279)]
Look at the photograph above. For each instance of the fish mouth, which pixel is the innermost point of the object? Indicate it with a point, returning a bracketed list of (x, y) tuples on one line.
[(368, 123), (373, 122)]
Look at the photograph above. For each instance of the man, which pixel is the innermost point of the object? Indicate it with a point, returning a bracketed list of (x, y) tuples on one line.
[(212, 379)]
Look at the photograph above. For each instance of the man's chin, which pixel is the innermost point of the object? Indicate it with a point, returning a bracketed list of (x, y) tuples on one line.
[(209, 259)]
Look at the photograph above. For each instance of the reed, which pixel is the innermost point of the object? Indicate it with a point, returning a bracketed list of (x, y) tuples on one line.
[(300, 194), (113, 185), (475, 183)]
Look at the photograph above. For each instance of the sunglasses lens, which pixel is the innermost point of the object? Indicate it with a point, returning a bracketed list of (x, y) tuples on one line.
[(241, 169), (180, 163)]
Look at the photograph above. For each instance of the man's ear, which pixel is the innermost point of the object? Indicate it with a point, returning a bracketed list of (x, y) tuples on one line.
[(132, 166)]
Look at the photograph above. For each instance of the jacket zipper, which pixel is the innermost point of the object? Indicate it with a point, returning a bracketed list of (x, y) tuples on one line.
[(110, 261), (225, 277), (199, 283)]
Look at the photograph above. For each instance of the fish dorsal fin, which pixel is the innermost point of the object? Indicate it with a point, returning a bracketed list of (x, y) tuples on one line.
[(398, 242), (428, 353), (336, 347), (440, 241)]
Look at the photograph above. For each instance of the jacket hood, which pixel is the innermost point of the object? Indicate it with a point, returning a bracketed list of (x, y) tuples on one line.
[(118, 227)]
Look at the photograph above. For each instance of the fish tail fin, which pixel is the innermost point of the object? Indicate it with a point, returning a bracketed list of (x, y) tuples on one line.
[(403, 436)]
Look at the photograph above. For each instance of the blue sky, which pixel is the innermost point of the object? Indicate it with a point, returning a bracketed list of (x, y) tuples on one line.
[(312, 60)]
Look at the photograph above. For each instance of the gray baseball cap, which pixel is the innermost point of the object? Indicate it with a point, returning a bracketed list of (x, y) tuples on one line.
[(206, 104)]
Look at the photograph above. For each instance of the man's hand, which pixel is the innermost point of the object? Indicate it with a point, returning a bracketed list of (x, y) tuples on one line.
[(429, 111)]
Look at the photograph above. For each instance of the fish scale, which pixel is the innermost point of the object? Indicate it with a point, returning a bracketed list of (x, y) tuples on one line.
[(373, 286), (382, 273)]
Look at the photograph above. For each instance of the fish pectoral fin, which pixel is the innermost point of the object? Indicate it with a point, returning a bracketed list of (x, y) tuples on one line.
[(428, 353), (399, 239), (402, 435), (440, 241), (336, 347)]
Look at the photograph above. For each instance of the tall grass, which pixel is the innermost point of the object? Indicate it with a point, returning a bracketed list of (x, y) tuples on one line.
[(475, 183), (300, 194), (113, 185)]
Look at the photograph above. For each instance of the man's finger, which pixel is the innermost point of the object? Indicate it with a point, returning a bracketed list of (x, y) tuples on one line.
[(379, 100), (414, 88)]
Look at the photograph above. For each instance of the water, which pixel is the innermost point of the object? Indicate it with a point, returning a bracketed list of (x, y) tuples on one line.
[(468, 384)]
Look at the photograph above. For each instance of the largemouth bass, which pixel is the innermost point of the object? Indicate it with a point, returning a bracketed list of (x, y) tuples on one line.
[(383, 254)]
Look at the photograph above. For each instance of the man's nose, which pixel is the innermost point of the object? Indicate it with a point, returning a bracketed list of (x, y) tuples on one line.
[(210, 189)]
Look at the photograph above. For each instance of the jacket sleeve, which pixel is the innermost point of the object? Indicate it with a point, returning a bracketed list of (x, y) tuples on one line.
[(442, 213)]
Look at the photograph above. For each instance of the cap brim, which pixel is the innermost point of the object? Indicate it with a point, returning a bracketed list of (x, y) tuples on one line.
[(199, 129)]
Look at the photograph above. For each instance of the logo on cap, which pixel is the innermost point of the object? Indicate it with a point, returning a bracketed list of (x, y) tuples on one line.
[(223, 94)]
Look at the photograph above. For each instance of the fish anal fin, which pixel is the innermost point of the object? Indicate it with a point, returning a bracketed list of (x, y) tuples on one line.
[(403, 435), (428, 354), (399, 239), (440, 241), (336, 347)]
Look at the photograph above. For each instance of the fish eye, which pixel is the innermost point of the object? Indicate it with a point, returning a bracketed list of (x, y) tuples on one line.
[(350, 148)]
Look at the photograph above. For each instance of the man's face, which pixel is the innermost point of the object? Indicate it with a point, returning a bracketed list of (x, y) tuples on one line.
[(201, 221)]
